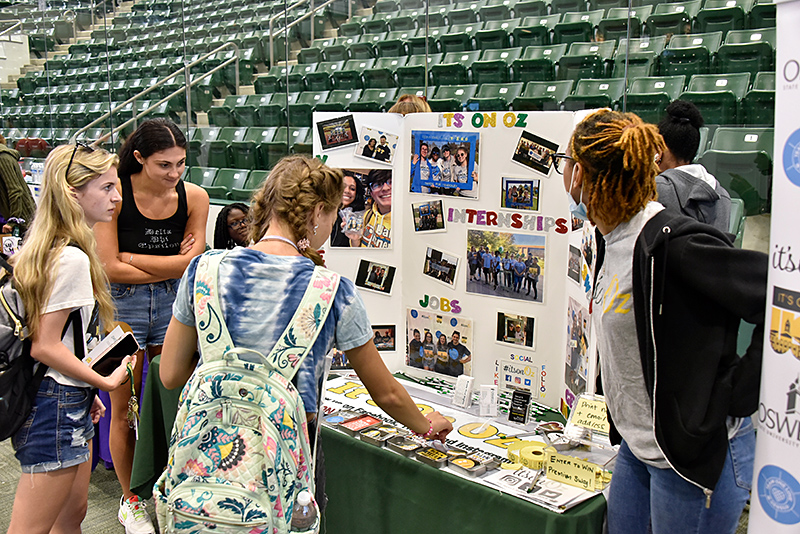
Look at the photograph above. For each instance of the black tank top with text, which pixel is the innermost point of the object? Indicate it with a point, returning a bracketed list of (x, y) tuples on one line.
[(139, 235)]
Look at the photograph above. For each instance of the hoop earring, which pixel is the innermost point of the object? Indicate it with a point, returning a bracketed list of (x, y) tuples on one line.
[(315, 229)]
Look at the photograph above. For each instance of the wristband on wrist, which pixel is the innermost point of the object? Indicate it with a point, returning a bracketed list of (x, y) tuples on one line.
[(426, 435)]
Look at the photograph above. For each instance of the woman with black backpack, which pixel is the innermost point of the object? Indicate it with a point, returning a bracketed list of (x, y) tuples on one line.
[(668, 298), (61, 281)]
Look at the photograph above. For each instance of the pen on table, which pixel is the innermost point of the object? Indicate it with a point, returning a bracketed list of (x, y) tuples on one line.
[(534, 481)]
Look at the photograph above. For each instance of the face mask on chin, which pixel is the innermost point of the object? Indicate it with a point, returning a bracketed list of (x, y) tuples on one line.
[(577, 209)]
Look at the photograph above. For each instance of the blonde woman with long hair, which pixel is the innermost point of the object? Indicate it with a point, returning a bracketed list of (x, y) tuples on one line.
[(58, 272)]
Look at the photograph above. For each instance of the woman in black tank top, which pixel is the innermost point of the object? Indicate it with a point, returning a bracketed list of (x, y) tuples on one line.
[(157, 229)]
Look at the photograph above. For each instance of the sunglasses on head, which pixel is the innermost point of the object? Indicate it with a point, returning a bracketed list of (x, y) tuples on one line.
[(78, 144)]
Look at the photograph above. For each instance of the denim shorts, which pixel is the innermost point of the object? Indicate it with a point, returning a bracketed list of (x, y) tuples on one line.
[(146, 308), (58, 431)]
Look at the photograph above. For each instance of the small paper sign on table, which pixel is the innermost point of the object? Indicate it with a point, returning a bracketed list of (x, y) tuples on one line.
[(590, 414)]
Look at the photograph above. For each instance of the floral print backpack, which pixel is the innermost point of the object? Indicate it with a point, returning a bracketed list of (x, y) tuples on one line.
[(239, 450)]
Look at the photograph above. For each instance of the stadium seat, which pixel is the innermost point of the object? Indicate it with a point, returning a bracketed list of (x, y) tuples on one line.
[(219, 153), (339, 100), (762, 15), (534, 31), (375, 100), (301, 110), (254, 180), (586, 60), (745, 175), (322, 78), (690, 54), (722, 15), (717, 95), (495, 34), (495, 12), (537, 63), (668, 24), (638, 64), (202, 176), (350, 77), (649, 96), (223, 115), (451, 97), (577, 27), (395, 44), (543, 96), (747, 51), (530, 8), (567, 6), (246, 114), (414, 73), (462, 16), (494, 65), (459, 37), (454, 68), (590, 94), (416, 44), (615, 29), (494, 96), (223, 181), (382, 73)]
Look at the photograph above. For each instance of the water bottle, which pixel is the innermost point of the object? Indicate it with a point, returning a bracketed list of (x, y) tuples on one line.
[(303, 515)]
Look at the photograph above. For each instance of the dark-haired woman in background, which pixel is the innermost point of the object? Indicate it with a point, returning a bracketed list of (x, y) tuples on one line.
[(683, 186), (353, 198), (156, 230), (233, 226)]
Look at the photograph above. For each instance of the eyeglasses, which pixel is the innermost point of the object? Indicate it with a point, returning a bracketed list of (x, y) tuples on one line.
[(557, 159), (82, 145), (241, 223), (377, 185)]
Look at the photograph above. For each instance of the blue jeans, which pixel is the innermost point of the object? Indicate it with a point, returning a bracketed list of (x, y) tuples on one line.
[(146, 308), (643, 497), (58, 430)]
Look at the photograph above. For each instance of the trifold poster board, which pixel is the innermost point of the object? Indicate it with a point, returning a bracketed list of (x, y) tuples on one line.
[(441, 189), (775, 502)]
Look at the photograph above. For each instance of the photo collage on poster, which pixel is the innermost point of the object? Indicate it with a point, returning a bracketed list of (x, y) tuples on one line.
[(576, 371), (439, 342)]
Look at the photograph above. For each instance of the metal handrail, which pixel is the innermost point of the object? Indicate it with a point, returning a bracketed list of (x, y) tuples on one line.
[(295, 22), (17, 24), (188, 84)]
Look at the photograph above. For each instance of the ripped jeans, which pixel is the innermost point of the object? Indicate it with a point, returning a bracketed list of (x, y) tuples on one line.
[(58, 431)]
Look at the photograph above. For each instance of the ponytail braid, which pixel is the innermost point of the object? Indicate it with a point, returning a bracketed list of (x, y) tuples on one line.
[(292, 191), (617, 152)]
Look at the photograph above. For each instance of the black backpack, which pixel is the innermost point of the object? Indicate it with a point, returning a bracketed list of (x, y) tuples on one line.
[(20, 376)]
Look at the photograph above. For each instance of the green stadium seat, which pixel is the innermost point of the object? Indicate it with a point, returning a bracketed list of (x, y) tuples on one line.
[(219, 152), (495, 12), (607, 4), (352, 28), (312, 54), (273, 112), (668, 24), (577, 27), (460, 37), (690, 7), (745, 175), (363, 47), (202, 176), (586, 60), (415, 72), (395, 44), (301, 110), (638, 64), (724, 19), (430, 38), (375, 100), (745, 139), (220, 189), (494, 65), (246, 151), (543, 95), (378, 23), (454, 68), (530, 8), (417, 91), (246, 114), (717, 95), (758, 108), (764, 81), (690, 54), (494, 96), (322, 78), (462, 16), (535, 31), (537, 63), (616, 29), (590, 94), (411, 4), (649, 96), (404, 21), (747, 51), (223, 115), (567, 6), (762, 15), (495, 34), (350, 77), (254, 179), (737, 221), (339, 100), (336, 51), (382, 73), (451, 97)]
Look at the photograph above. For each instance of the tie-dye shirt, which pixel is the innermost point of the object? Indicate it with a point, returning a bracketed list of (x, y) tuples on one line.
[(260, 293)]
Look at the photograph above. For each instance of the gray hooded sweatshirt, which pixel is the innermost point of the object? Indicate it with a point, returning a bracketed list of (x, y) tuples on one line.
[(693, 191)]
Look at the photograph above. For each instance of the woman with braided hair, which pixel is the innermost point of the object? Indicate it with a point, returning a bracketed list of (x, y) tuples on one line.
[(678, 396), (261, 286)]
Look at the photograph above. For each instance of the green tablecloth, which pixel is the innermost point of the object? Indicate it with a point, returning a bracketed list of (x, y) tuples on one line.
[(375, 491), (159, 407)]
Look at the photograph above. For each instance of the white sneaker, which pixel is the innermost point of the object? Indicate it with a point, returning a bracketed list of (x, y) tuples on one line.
[(134, 517)]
